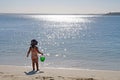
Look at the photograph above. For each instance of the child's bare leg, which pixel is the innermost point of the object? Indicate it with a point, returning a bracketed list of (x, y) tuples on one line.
[(37, 66), (33, 65)]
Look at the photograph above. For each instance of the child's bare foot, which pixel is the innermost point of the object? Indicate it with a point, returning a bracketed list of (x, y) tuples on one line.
[(37, 69)]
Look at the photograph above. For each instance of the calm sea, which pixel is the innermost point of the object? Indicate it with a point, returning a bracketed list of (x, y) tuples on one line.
[(68, 41)]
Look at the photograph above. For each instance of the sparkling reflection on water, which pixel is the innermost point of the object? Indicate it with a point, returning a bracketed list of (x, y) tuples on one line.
[(63, 26)]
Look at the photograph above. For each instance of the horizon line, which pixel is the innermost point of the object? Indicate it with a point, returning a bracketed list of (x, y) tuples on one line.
[(59, 13), (54, 13)]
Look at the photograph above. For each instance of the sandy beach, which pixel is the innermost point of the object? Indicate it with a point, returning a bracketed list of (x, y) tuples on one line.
[(25, 73)]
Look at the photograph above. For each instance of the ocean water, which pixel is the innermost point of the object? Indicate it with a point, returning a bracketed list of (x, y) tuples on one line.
[(68, 41)]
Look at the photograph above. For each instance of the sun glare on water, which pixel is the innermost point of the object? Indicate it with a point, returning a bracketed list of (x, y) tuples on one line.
[(63, 26), (61, 18)]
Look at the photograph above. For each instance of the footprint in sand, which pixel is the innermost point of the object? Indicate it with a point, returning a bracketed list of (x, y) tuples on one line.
[(80, 78), (1, 73), (8, 75), (44, 78)]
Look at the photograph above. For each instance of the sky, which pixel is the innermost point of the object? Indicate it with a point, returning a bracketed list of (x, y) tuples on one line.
[(59, 6)]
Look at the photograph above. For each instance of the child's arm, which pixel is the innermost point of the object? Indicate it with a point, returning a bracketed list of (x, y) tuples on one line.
[(28, 52), (39, 51)]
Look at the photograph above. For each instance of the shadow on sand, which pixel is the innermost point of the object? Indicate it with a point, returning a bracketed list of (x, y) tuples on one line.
[(33, 72)]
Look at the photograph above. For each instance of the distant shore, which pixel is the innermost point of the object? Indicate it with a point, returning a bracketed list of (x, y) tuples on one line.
[(113, 13), (25, 73), (110, 13)]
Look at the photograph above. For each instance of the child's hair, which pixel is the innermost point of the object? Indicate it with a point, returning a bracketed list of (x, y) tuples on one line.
[(34, 42)]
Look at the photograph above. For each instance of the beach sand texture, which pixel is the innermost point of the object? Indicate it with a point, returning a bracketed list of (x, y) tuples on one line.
[(25, 73)]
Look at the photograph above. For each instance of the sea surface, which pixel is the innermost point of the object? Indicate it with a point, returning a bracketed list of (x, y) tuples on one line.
[(67, 41)]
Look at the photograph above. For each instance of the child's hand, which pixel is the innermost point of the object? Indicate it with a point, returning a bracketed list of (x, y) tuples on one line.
[(27, 55), (41, 53)]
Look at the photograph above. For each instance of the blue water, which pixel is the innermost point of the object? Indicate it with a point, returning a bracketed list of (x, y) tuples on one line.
[(68, 41)]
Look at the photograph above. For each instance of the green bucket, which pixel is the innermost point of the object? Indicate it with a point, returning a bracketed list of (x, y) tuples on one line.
[(42, 58)]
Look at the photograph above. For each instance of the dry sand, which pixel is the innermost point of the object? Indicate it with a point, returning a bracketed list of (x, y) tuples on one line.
[(25, 73)]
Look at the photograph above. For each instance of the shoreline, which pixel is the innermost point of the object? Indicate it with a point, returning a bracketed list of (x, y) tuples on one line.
[(9, 72), (68, 68)]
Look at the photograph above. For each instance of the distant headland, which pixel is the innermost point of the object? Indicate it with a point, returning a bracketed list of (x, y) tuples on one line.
[(113, 13)]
